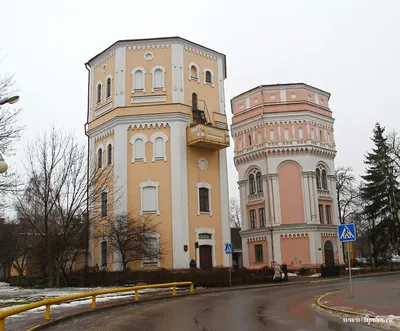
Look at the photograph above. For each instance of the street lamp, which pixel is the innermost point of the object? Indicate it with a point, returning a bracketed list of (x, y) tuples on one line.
[(9, 100)]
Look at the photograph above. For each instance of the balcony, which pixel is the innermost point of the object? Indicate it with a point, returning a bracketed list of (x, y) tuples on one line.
[(207, 131), (207, 136), (255, 198), (324, 194)]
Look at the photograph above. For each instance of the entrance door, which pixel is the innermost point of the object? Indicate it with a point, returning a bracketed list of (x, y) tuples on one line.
[(329, 255), (205, 257)]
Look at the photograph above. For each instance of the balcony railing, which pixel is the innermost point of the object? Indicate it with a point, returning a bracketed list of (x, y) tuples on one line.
[(255, 198), (324, 193)]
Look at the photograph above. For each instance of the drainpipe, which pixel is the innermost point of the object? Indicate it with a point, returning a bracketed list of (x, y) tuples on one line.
[(267, 175), (88, 173)]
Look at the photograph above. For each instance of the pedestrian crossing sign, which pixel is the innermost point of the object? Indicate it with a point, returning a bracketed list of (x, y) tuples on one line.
[(228, 248), (347, 232)]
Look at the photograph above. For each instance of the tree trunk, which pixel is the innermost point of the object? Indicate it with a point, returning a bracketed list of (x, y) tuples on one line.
[(49, 265)]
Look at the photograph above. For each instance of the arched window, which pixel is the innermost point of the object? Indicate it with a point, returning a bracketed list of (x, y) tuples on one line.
[(259, 182), (194, 101), (271, 134), (103, 249), (158, 79), (98, 92), (139, 149), (159, 139), (138, 84), (109, 154), (312, 133), (208, 77), (320, 135), (301, 135), (99, 158), (318, 178), (324, 180), (252, 184), (108, 88), (249, 140), (286, 134), (194, 73)]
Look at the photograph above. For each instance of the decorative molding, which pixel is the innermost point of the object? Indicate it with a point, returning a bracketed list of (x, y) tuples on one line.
[(212, 76), (202, 163), (103, 109), (152, 125), (153, 138), (149, 99), (140, 120), (147, 47), (200, 53), (148, 56), (133, 72), (132, 141), (104, 135), (104, 59)]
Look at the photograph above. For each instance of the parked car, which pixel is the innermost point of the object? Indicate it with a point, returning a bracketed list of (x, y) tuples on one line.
[(395, 258)]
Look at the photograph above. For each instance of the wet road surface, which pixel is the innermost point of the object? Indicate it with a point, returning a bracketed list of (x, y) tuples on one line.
[(276, 308)]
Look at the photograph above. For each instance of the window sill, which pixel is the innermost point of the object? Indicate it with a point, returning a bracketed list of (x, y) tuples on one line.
[(152, 212), (108, 98), (210, 84), (138, 90), (139, 160), (204, 213), (259, 262)]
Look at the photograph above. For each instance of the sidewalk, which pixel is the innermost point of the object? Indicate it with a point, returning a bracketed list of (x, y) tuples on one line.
[(371, 299)]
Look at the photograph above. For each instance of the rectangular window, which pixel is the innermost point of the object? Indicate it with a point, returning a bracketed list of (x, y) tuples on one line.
[(103, 204), (321, 213), (149, 199), (258, 253), (104, 253), (204, 200), (263, 222), (204, 236), (253, 219), (328, 214)]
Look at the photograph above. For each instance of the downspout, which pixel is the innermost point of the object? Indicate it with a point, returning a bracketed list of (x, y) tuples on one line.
[(88, 173), (267, 175)]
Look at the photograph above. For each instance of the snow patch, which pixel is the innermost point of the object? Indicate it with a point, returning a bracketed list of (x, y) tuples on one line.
[(291, 274), (316, 275)]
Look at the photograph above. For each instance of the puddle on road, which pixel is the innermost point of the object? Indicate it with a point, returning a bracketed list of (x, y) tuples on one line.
[(332, 325)]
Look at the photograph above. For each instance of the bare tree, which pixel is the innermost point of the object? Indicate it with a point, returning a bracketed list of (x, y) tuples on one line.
[(234, 213), (57, 196), (10, 133), (133, 237), (347, 193)]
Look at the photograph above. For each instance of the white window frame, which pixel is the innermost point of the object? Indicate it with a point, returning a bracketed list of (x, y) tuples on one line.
[(100, 82), (111, 89), (132, 141), (153, 80), (208, 186), (157, 236), (212, 76), (110, 142), (142, 185), (192, 64), (153, 138), (100, 253), (143, 70), (100, 146)]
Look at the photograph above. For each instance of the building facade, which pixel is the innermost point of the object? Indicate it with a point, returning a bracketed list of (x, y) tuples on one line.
[(156, 116), (284, 154)]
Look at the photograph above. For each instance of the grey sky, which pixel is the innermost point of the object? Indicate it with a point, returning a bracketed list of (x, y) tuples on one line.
[(348, 48)]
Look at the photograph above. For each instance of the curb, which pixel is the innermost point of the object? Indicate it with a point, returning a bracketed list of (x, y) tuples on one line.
[(207, 291), (337, 309)]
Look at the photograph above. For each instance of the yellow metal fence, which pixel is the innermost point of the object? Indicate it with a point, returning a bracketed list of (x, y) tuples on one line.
[(53, 301)]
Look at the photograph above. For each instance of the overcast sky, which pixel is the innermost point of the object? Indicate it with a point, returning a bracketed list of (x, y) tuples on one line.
[(348, 48)]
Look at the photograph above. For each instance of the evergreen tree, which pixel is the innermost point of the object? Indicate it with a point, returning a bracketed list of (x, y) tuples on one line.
[(380, 194)]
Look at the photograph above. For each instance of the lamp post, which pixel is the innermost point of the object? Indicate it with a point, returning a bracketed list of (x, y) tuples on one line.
[(10, 100)]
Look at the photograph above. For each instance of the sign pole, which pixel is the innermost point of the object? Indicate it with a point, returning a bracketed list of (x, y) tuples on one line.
[(348, 259), (230, 270)]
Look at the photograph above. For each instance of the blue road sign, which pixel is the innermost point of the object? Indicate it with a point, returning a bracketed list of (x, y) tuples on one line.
[(228, 248), (347, 232)]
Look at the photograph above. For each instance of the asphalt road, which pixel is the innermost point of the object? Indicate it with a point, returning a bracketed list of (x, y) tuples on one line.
[(284, 308)]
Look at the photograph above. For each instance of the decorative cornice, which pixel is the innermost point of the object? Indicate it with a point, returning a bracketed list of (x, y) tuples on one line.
[(104, 59), (147, 47), (140, 119), (153, 125), (200, 53), (104, 135)]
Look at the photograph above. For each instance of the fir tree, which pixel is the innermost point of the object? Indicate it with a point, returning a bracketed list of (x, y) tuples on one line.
[(380, 192)]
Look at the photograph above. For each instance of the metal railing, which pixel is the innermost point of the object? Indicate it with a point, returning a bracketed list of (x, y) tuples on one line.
[(53, 301)]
